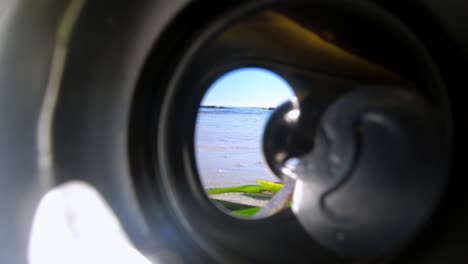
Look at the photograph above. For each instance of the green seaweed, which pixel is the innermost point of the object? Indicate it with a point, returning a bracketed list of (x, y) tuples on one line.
[(265, 188), (271, 186), (250, 189), (249, 212)]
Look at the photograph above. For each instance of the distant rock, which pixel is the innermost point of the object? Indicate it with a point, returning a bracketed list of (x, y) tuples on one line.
[(212, 106)]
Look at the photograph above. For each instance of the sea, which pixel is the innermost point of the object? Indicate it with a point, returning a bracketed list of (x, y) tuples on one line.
[(228, 146)]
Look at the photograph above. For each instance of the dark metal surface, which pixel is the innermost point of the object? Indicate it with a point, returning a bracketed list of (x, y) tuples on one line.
[(376, 173), (117, 47), (24, 69)]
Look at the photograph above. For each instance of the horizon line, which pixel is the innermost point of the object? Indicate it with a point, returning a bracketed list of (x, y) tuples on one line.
[(238, 106)]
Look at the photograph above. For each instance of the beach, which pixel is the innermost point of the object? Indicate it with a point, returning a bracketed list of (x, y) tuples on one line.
[(228, 150)]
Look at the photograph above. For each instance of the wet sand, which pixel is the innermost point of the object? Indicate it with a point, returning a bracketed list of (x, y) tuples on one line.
[(241, 198)]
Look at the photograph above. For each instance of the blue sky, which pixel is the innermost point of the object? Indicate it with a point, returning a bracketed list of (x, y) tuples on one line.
[(248, 87)]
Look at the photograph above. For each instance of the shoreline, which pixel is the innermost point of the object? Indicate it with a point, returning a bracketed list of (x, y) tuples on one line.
[(241, 198)]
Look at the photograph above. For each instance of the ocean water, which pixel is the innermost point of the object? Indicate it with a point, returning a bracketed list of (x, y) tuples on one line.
[(228, 146)]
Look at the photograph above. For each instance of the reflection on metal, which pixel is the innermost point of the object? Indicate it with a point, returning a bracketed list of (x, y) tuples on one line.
[(278, 42), (73, 224), (292, 115), (44, 130), (278, 202)]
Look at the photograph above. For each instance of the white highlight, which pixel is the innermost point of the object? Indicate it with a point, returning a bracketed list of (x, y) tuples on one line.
[(286, 171), (292, 115), (46, 115), (73, 224), (297, 197)]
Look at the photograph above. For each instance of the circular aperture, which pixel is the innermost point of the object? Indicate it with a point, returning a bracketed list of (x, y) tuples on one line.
[(228, 135), (318, 56)]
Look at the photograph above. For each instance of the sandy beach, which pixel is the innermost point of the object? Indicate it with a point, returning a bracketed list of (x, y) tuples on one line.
[(241, 198)]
